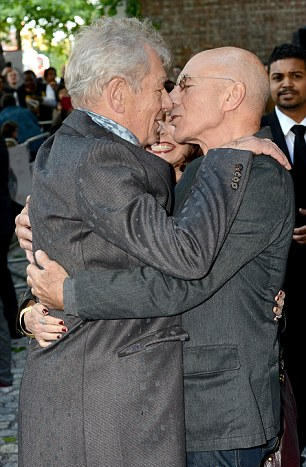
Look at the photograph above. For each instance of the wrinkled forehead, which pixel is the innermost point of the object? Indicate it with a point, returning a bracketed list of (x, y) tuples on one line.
[(157, 70), (195, 65), (204, 63)]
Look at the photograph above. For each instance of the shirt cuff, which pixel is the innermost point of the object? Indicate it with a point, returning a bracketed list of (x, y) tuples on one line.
[(70, 301)]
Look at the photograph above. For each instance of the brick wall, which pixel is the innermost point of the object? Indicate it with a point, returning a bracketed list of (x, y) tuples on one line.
[(189, 26)]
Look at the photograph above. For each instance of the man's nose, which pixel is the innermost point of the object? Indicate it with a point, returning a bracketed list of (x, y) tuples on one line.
[(167, 103), (287, 82), (175, 93)]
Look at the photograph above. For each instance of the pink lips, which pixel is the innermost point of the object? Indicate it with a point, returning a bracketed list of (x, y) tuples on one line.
[(161, 148)]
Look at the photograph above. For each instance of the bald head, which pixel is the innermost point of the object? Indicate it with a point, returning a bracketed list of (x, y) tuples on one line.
[(240, 65), (221, 97)]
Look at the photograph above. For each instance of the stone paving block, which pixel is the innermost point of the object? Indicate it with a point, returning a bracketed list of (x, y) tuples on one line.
[(9, 396)]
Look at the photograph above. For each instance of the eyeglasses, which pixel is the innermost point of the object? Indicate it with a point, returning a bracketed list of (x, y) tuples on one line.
[(181, 80)]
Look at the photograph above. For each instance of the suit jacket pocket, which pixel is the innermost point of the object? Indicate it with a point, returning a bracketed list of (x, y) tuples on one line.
[(169, 334), (210, 359)]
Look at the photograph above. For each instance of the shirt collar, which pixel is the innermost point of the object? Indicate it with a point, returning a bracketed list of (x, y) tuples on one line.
[(112, 127), (286, 122)]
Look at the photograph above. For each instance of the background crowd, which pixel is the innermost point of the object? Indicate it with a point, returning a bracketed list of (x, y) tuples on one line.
[(32, 104)]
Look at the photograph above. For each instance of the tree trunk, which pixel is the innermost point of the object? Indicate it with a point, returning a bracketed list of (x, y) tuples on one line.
[(2, 60)]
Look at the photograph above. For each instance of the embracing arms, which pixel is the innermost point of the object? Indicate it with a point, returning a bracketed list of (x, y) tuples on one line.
[(145, 292)]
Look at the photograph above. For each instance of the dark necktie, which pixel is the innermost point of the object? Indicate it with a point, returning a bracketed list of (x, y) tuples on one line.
[(299, 170)]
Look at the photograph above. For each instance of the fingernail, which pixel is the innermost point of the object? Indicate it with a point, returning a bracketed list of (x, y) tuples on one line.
[(64, 329), (45, 311), (58, 336), (61, 323)]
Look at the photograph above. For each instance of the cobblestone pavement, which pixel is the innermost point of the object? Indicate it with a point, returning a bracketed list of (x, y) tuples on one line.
[(9, 396), (9, 407)]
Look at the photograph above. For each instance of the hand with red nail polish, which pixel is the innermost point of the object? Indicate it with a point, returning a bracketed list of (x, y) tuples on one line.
[(46, 329)]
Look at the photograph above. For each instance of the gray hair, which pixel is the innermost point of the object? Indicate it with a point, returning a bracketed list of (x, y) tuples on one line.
[(111, 47)]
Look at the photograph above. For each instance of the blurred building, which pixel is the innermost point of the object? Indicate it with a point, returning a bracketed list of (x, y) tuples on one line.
[(190, 26)]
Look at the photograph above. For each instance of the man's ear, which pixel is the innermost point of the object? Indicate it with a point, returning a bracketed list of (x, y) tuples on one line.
[(116, 93), (235, 96)]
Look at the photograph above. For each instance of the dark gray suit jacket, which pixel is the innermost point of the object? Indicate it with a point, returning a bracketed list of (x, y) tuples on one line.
[(110, 392), (231, 360)]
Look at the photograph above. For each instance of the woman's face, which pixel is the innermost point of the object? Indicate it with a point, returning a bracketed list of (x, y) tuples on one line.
[(166, 147), (12, 78)]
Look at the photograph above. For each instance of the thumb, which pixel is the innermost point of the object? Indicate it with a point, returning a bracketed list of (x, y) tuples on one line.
[(302, 211), (42, 259)]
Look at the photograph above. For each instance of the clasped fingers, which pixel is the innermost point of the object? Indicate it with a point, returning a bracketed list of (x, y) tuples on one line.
[(44, 327)]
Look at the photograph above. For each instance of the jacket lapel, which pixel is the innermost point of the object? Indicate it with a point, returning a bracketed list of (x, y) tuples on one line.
[(277, 133), (81, 122)]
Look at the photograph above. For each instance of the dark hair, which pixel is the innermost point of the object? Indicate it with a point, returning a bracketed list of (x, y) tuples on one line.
[(30, 72), (169, 85), (8, 100), (46, 72), (8, 129), (283, 51)]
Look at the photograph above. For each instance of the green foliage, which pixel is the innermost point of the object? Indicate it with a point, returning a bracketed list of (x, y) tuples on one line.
[(133, 8), (51, 15), (18, 349), (65, 16), (9, 439)]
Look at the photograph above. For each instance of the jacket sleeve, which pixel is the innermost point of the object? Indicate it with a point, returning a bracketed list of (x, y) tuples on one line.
[(265, 216), (114, 201)]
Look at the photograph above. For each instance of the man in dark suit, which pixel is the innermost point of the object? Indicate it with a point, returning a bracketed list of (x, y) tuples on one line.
[(231, 360), (287, 75), (8, 299)]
